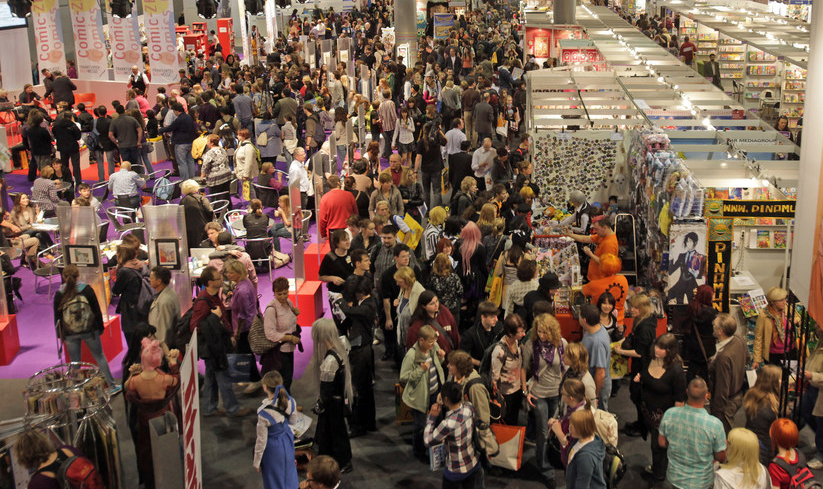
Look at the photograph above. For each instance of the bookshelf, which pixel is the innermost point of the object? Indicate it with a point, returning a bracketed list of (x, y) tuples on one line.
[(762, 73), (793, 93), (731, 54)]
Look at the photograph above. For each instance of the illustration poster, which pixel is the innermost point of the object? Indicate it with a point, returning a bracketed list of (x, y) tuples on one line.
[(687, 264)]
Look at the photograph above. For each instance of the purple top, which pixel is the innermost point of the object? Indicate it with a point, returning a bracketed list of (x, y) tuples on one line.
[(243, 305), (40, 481)]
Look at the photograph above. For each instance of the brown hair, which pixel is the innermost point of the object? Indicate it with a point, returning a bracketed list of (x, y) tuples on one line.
[(578, 357), (583, 422), (765, 391), (442, 265), (32, 448), (462, 361)]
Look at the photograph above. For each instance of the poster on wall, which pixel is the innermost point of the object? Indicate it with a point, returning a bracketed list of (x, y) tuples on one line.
[(89, 43), (442, 24), (124, 39), (687, 261), (48, 35), (158, 16)]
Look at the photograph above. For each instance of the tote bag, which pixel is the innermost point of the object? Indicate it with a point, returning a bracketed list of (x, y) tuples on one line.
[(510, 443)]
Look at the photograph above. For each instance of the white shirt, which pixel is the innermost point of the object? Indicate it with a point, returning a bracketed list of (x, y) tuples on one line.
[(732, 478), (482, 161), (453, 139), (298, 173)]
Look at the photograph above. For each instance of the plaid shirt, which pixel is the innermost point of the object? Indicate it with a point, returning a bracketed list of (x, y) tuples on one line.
[(456, 432), (694, 437)]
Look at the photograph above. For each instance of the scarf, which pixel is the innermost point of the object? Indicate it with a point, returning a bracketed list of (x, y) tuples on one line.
[(779, 324), (546, 352)]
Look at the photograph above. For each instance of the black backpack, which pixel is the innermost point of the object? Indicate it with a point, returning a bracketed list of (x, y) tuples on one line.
[(180, 336), (319, 136), (800, 475)]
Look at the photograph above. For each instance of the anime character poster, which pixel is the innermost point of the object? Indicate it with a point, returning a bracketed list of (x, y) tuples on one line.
[(687, 261)]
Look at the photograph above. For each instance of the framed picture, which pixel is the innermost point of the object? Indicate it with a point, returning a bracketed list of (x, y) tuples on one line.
[(168, 253), (83, 256)]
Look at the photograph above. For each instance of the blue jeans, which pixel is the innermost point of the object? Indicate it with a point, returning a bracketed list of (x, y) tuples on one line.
[(218, 380), (111, 158), (92, 340), (544, 409), (144, 157), (279, 230), (604, 395), (132, 155), (185, 161)]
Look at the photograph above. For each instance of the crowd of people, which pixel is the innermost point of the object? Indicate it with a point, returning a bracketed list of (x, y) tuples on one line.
[(414, 251)]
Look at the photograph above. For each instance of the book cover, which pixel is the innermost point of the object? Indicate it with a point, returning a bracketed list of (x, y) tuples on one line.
[(721, 193), (780, 240), (764, 240), (765, 221), (736, 193)]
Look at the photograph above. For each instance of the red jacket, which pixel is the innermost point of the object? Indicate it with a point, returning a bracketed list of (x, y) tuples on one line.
[(449, 325), (336, 207)]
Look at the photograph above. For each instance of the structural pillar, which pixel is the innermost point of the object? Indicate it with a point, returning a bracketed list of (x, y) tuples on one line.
[(564, 11), (405, 28)]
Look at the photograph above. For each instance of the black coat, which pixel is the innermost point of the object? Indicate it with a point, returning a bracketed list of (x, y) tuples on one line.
[(66, 133), (196, 219), (62, 89), (460, 167)]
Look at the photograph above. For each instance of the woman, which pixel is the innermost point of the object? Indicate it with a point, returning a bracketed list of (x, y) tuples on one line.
[(44, 192), (464, 198), (330, 365), (198, 212), (143, 150), (761, 404), (66, 133), (576, 360), (245, 163), (403, 140), (406, 302), (274, 448), (243, 310), (24, 217), (585, 468), (771, 343), (741, 470), (412, 193), (363, 182), (386, 190), (430, 311), (471, 267), (544, 366), (63, 177), (606, 304), (506, 365), (273, 146), (373, 151), (573, 396), (40, 142), (37, 453), (78, 296), (421, 376), (257, 225), (526, 282), (282, 229), (129, 281), (361, 199), (152, 392), (280, 326), (216, 172), (340, 136), (699, 342), (446, 284), (789, 460), (430, 162), (663, 385), (640, 342), (506, 266), (289, 134), (434, 228), (365, 240)]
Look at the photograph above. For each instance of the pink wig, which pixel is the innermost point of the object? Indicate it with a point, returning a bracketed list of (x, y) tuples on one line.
[(471, 240), (152, 354)]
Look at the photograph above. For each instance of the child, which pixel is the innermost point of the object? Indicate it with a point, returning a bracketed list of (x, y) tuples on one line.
[(84, 190), (282, 229), (274, 448), (612, 211)]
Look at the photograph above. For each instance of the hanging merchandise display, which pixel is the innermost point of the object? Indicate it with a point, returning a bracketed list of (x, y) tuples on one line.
[(564, 162)]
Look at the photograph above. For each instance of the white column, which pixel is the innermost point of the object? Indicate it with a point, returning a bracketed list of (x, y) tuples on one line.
[(564, 11), (405, 32)]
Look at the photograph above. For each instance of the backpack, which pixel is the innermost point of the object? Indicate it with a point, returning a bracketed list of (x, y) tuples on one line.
[(77, 472), (93, 138), (77, 317), (483, 439), (614, 466), (326, 120), (319, 136), (181, 334), (163, 189), (146, 296), (803, 477), (497, 403)]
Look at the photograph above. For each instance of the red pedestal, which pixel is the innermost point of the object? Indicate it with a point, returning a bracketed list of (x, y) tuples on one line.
[(111, 338), (309, 299), (311, 258), (9, 341)]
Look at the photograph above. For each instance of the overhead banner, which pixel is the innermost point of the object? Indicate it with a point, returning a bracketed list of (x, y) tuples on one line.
[(244, 32), (720, 260), (159, 22), (759, 208), (48, 35), (89, 43), (190, 394), (126, 51), (270, 11), (442, 24)]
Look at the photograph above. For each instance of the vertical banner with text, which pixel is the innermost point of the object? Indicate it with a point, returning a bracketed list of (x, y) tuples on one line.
[(158, 18), (124, 39), (244, 32), (89, 43), (270, 10), (190, 393), (48, 35), (720, 260)]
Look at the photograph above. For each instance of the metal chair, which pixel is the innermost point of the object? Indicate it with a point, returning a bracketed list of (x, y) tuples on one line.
[(49, 263), (267, 195), (305, 223), (175, 192), (267, 259), (234, 185), (97, 186), (103, 228), (234, 222), (123, 219), (218, 196), (220, 208)]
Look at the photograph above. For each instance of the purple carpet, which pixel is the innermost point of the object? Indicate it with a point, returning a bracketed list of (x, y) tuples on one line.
[(35, 317)]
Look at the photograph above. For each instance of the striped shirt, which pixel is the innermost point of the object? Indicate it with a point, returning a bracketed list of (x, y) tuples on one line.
[(694, 437)]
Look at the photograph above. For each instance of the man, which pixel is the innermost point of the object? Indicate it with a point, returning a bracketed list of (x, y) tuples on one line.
[(687, 50), (520, 154), (388, 119), (460, 166), (469, 99), (48, 79), (389, 290), (210, 320), (127, 134), (362, 266), (336, 206), (712, 70), (482, 161), (138, 79), (285, 107), (483, 334), (454, 137), (322, 472), (165, 309), (395, 168), (61, 89), (547, 286), (456, 433), (606, 242), (184, 80), (452, 61), (502, 171), (125, 186), (338, 96), (313, 129), (598, 344), (694, 438), (106, 149), (727, 371), (183, 131), (243, 107), (299, 173)]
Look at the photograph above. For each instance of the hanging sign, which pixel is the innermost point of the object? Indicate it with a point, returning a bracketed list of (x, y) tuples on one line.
[(443, 23), (159, 21), (89, 43), (759, 208), (124, 37), (48, 35), (720, 258)]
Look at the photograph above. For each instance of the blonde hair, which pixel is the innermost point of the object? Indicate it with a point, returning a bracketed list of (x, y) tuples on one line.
[(743, 450), (466, 184), (642, 303), (380, 204), (442, 265), (189, 187), (426, 332), (437, 216), (406, 274), (234, 266), (406, 176), (548, 325), (578, 357)]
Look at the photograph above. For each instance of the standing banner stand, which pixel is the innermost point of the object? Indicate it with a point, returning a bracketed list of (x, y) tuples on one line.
[(350, 145), (305, 290), (81, 247), (167, 246), (190, 404)]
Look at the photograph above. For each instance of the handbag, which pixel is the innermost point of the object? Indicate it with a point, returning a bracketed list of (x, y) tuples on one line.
[(445, 183), (496, 292), (246, 190), (240, 366), (402, 411), (258, 342), (510, 441)]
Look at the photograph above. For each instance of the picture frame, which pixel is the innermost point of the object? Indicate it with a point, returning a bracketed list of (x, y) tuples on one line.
[(167, 252), (83, 256)]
